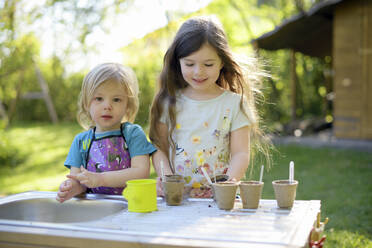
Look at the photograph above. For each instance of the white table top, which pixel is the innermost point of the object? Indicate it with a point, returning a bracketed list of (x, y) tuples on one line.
[(196, 223), (199, 222)]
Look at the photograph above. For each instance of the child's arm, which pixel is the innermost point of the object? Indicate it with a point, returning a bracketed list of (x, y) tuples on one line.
[(239, 147), (70, 187), (159, 155), (140, 168)]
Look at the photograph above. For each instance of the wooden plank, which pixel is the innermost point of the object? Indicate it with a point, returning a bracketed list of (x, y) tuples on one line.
[(348, 81), (351, 106), (349, 94), (347, 127), (353, 67), (366, 53)]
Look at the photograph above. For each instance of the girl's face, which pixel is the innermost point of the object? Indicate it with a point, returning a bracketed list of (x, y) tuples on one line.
[(108, 106), (201, 69)]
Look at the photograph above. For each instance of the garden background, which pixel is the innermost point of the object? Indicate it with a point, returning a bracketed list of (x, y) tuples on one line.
[(32, 149)]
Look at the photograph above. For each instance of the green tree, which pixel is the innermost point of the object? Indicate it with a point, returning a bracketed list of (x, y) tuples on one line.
[(20, 52)]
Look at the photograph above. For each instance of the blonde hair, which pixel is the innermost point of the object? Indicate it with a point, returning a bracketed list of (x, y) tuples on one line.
[(103, 73), (242, 78)]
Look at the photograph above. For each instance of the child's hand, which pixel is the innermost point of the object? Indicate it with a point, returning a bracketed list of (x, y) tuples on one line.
[(89, 179), (68, 189), (159, 187), (64, 192)]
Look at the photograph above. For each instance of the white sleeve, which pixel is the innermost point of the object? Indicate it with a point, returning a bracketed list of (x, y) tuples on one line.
[(241, 119)]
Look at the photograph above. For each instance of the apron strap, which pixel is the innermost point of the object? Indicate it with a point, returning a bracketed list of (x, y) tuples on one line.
[(122, 134), (90, 145)]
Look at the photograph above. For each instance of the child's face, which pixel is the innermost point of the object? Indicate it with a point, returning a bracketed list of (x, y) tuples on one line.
[(201, 69), (108, 106)]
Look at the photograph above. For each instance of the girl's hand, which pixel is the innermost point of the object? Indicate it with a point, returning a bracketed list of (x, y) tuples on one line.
[(87, 178)]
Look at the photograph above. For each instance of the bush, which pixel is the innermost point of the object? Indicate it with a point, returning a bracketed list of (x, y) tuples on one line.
[(9, 154)]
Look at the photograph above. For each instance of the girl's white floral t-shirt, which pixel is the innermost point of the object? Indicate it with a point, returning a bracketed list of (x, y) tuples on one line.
[(202, 134)]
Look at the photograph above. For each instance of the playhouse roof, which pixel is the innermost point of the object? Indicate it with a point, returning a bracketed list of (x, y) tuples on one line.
[(308, 32)]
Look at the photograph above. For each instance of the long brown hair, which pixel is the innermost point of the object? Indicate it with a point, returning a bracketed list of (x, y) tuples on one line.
[(234, 76)]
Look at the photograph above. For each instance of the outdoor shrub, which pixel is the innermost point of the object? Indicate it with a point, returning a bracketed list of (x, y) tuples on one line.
[(9, 154)]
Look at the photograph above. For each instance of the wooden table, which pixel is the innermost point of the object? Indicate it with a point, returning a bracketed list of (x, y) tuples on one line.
[(196, 223)]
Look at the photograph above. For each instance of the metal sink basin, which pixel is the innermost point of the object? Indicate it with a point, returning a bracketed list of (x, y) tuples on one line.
[(43, 207)]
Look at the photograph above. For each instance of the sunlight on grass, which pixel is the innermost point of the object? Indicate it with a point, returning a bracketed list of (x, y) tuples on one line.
[(349, 239), (45, 148), (49, 183)]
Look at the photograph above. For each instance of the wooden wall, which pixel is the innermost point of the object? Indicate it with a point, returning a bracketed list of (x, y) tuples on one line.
[(352, 63)]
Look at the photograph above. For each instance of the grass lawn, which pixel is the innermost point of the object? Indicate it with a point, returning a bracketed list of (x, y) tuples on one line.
[(341, 179)]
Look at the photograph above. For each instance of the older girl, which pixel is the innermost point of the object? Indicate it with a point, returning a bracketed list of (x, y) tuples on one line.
[(204, 114)]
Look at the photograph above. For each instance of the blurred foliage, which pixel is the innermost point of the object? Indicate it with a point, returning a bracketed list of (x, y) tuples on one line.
[(147, 66), (243, 21), (9, 153)]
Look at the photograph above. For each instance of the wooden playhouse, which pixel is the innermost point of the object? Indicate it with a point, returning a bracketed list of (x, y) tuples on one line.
[(341, 29)]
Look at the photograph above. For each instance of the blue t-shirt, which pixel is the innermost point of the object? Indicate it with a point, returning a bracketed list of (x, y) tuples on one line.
[(134, 137)]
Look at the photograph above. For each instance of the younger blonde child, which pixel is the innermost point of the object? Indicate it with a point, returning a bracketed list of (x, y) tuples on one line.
[(113, 150)]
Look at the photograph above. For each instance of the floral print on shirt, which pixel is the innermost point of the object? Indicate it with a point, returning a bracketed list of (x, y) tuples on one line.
[(214, 161)]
